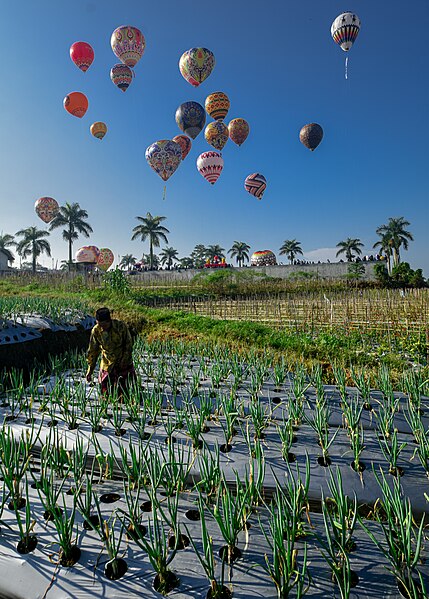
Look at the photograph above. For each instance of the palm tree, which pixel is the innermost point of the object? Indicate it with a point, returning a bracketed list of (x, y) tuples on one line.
[(152, 229), (186, 262), (240, 251), (71, 216), (349, 246), (385, 245), (395, 230), (155, 260), (127, 261), (5, 242), (291, 247), (167, 256), (199, 255), (215, 250), (33, 244)]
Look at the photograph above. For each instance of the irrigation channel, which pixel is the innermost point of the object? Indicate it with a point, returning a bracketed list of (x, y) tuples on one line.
[(218, 475)]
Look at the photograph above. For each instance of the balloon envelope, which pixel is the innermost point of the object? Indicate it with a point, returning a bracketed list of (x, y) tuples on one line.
[(210, 165), (128, 44), (217, 105), (98, 129), (82, 55), (255, 184), (196, 65), (191, 118), (216, 135), (121, 75), (185, 144), (46, 208), (76, 103), (87, 253), (164, 156), (238, 131), (263, 258), (345, 29), (311, 135), (105, 259)]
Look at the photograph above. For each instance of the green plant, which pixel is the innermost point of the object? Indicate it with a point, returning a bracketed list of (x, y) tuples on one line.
[(116, 281)]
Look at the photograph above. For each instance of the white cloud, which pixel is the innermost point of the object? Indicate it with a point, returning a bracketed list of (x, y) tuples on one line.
[(322, 254)]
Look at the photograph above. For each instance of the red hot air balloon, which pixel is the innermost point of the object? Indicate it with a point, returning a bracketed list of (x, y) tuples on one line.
[(255, 184), (82, 55), (122, 76), (185, 144), (238, 131), (76, 104), (46, 208)]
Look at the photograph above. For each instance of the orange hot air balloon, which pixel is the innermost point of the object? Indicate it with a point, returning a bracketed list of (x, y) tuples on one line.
[(46, 208), (238, 131), (76, 103), (217, 105), (82, 55), (98, 129)]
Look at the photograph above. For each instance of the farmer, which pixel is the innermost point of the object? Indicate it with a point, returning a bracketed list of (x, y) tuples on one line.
[(113, 340)]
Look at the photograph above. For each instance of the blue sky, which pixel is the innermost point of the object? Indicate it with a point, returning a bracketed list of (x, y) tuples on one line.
[(280, 68)]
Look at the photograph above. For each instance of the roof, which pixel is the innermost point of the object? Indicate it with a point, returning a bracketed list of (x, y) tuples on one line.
[(8, 254)]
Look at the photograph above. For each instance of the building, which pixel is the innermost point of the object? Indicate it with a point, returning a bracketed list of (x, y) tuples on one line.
[(5, 257)]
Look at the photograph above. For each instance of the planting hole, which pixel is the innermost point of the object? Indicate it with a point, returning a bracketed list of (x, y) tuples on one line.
[(193, 515), (18, 504), (290, 458), (276, 400), (229, 556), (136, 532), (94, 522), (146, 506), (166, 584), (354, 578), (27, 545), (360, 467), (49, 515), (109, 497), (324, 461), (225, 447), (115, 569), (71, 557), (223, 593), (182, 542)]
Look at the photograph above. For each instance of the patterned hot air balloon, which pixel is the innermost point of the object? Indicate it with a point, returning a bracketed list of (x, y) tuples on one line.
[(345, 29), (185, 144), (164, 156), (263, 258), (76, 104), (238, 131), (105, 259), (196, 65), (210, 165), (121, 75), (82, 55), (216, 135), (98, 129), (87, 253), (128, 44), (46, 208), (191, 118), (311, 135), (217, 105), (255, 184)]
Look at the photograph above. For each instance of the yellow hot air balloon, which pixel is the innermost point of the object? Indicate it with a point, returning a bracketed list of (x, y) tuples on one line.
[(98, 129), (216, 135), (217, 105)]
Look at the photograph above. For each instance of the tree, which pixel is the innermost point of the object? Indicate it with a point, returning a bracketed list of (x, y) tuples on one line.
[(395, 231), (349, 247), (199, 255), (33, 244), (240, 251), (291, 247), (215, 250), (385, 245), (146, 260), (150, 228), (127, 261), (167, 256), (7, 241), (186, 262), (355, 271), (73, 217)]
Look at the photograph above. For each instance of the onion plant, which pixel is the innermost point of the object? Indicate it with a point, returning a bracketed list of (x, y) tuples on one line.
[(230, 513), (253, 482), (295, 492), (391, 448), (299, 382), (422, 450), (210, 471), (131, 463), (15, 459), (228, 407), (28, 540), (340, 380), (280, 371), (118, 417), (195, 423), (362, 382), (260, 418), (341, 513), (319, 422), (50, 490), (357, 444), (88, 504), (413, 383), (387, 409), (352, 411), (77, 458), (403, 540), (287, 436), (112, 539)]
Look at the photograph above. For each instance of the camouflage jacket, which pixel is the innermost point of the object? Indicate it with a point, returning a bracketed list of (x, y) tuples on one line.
[(115, 346)]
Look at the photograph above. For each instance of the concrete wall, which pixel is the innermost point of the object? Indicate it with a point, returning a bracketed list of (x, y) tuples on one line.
[(3, 261), (324, 271)]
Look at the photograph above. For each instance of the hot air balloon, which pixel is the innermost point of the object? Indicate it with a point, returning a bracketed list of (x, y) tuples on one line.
[(121, 75), (105, 259), (263, 258), (46, 208), (216, 135), (217, 105), (210, 165), (196, 65), (76, 104), (87, 253), (255, 184), (164, 156), (185, 144), (98, 129), (82, 55), (128, 44), (191, 118), (311, 135), (344, 31), (238, 131)]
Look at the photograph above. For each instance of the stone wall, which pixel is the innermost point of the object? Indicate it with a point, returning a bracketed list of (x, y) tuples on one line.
[(324, 270)]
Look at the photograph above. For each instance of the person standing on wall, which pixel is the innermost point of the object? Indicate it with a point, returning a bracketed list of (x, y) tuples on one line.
[(113, 340)]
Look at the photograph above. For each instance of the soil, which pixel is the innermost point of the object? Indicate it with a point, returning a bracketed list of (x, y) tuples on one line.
[(193, 515), (109, 497), (94, 522), (224, 593), (229, 557), (72, 558), (115, 569), (171, 582), (27, 545), (182, 542)]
